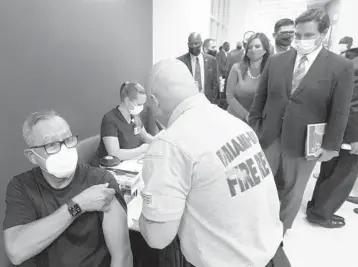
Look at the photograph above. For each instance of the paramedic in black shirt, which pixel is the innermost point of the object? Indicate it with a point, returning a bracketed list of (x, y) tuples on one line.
[(60, 213), (122, 132)]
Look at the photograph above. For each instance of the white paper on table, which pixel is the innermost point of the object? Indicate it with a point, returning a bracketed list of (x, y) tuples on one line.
[(130, 165)]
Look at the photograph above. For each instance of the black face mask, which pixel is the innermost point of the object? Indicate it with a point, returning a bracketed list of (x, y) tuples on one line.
[(238, 47), (212, 52), (195, 51), (284, 39)]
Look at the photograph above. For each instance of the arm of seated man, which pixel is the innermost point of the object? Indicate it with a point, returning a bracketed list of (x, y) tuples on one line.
[(26, 236), (116, 234), (167, 175)]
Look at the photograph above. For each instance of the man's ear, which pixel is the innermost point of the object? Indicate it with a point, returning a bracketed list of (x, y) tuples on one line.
[(30, 156), (274, 35)]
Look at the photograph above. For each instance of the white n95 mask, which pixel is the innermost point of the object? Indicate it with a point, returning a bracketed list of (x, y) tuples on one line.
[(136, 110), (305, 47), (61, 164)]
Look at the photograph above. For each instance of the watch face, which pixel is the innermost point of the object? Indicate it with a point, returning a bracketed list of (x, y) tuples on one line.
[(75, 210)]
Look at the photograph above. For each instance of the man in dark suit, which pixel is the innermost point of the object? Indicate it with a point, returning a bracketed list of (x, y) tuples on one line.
[(302, 86), (203, 67), (283, 34), (221, 59), (337, 176)]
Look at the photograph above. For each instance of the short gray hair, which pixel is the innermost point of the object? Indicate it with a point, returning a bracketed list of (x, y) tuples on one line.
[(32, 120)]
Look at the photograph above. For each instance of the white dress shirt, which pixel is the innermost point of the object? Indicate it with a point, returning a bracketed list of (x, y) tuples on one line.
[(201, 62), (310, 59)]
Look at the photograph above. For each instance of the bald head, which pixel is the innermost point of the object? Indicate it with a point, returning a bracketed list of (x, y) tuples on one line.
[(170, 83), (194, 37), (194, 43), (239, 45)]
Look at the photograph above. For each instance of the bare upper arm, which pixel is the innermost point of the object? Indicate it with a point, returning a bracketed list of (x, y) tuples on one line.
[(115, 228), (112, 144)]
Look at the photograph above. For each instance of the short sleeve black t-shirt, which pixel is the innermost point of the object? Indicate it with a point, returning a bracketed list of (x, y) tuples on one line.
[(114, 124), (29, 197)]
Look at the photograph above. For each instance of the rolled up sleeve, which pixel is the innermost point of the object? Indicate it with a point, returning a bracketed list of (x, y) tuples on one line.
[(167, 173)]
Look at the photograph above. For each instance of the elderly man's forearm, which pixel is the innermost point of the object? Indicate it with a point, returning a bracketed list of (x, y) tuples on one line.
[(29, 240)]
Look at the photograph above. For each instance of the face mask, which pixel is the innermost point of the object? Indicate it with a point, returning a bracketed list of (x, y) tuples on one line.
[(195, 51), (212, 53), (136, 110), (61, 164), (284, 40), (238, 47), (343, 48), (305, 47), (255, 55)]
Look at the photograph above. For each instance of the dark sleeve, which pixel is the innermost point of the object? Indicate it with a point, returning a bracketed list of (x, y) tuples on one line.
[(340, 106), (108, 128), (112, 183), (351, 133), (19, 207), (215, 87), (260, 97)]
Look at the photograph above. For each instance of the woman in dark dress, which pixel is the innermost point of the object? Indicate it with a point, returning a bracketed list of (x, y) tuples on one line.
[(245, 76)]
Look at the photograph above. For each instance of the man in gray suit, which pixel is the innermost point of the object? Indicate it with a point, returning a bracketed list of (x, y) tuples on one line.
[(203, 67), (297, 88)]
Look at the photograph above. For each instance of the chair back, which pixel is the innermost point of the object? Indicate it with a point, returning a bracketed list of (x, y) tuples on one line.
[(88, 151)]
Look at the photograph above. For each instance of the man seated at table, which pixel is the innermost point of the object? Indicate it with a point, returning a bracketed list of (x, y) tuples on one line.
[(122, 132), (207, 179), (62, 213)]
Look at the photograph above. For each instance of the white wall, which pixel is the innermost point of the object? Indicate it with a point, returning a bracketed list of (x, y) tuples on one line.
[(237, 21), (173, 21)]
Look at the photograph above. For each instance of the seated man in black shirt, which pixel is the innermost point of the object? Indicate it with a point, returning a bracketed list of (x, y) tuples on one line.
[(60, 213)]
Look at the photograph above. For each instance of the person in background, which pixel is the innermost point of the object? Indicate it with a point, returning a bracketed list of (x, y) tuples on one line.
[(122, 132), (344, 44), (61, 213), (302, 86), (235, 56), (209, 47), (283, 34), (197, 187), (353, 196), (245, 76), (203, 68), (337, 176), (221, 59)]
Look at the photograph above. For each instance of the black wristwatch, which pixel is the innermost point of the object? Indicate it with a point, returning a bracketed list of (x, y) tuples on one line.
[(74, 209)]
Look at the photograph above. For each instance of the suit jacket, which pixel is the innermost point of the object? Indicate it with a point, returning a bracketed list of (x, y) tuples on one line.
[(221, 59), (235, 56), (324, 95), (351, 133), (211, 88)]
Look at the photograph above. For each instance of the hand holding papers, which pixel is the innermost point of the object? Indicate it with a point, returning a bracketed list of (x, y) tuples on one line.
[(314, 138)]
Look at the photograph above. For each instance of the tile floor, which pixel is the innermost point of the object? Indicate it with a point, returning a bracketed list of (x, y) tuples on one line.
[(312, 246)]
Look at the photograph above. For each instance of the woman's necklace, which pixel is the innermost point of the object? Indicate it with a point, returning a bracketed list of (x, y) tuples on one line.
[(252, 76)]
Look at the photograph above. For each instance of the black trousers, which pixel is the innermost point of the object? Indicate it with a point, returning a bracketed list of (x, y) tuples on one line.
[(335, 182), (279, 260)]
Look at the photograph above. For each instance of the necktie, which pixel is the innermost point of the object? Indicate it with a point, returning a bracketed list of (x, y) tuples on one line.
[(197, 74), (299, 73)]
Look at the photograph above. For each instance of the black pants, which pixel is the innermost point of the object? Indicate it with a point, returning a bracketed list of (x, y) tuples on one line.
[(335, 182), (279, 260)]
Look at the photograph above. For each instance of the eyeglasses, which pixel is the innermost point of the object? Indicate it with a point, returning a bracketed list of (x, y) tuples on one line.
[(55, 147), (286, 32)]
